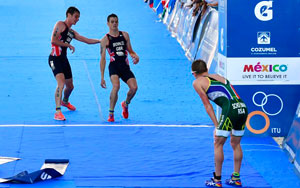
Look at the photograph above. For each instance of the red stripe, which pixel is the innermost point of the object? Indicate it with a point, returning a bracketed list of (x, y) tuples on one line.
[(57, 50), (234, 91)]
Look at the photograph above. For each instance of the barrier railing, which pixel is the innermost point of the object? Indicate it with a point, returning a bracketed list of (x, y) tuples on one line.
[(235, 41), (291, 143)]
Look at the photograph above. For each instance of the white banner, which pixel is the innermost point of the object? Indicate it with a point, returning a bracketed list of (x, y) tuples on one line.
[(263, 70)]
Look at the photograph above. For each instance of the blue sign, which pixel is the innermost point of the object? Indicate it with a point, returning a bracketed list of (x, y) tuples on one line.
[(262, 28), (259, 53), (222, 9), (271, 108)]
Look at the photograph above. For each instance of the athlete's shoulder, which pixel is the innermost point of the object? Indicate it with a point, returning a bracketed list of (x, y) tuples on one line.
[(104, 39), (200, 81), (61, 23), (200, 84), (125, 34), (218, 77)]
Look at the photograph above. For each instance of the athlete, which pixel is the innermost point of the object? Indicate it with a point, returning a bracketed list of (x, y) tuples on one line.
[(62, 36), (118, 46), (232, 121)]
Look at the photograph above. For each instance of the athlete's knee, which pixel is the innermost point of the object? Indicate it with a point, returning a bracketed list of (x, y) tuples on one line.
[(116, 87), (133, 88), (60, 85), (234, 143), (219, 141), (70, 86)]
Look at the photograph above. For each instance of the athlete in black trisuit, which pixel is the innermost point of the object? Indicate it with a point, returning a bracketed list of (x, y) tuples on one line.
[(61, 38), (118, 45)]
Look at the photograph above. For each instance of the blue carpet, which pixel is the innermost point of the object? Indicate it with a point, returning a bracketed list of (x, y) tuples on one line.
[(112, 156)]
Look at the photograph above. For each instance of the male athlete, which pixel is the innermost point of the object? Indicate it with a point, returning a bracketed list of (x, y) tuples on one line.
[(118, 45), (61, 38), (232, 121)]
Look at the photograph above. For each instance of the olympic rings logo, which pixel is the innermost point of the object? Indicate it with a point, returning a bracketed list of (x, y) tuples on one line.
[(262, 113)]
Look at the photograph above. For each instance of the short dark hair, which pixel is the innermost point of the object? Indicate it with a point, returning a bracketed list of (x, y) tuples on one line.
[(199, 66), (72, 10), (111, 16)]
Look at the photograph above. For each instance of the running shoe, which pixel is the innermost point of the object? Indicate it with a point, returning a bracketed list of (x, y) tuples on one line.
[(111, 118), (213, 183), (68, 105), (125, 113), (234, 181), (59, 116)]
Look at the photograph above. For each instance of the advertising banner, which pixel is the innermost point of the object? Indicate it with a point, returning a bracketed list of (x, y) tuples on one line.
[(259, 53), (263, 28), (271, 108), (263, 70)]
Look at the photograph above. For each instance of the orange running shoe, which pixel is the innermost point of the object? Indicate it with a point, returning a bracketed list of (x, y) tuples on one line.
[(68, 105), (125, 113), (59, 116), (111, 118)]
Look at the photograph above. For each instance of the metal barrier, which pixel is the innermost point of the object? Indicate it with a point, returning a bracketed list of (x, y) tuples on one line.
[(291, 143)]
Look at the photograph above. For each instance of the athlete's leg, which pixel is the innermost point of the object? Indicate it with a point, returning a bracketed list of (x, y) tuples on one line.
[(219, 142), (67, 92), (60, 78), (68, 89), (132, 84), (114, 92), (237, 152)]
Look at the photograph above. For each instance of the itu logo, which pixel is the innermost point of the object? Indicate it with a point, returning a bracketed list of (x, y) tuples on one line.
[(263, 10), (262, 102)]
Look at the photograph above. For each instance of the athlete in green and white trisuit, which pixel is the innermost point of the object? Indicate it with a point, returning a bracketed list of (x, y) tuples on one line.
[(232, 121)]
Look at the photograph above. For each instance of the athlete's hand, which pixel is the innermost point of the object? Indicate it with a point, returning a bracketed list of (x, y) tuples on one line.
[(135, 59), (72, 48), (103, 84)]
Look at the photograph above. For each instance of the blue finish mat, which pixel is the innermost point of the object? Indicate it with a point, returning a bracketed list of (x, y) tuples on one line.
[(112, 155), (124, 156)]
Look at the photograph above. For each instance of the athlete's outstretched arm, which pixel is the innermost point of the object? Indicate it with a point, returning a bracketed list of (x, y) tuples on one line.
[(84, 39), (57, 30), (104, 42), (132, 53), (208, 107)]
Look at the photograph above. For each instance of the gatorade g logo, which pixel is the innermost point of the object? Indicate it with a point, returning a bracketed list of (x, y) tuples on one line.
[(263, 11)]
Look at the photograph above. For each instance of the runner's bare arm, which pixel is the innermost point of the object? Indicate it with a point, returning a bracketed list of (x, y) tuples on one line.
[(132, 53), (104, 42), (84, 39), (208, 107)]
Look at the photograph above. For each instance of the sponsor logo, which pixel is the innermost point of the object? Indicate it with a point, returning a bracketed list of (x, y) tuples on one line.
[(120, 53), (265, 68), (263, 37), (264, 113), (45, 176), (263, 10), (263, 51)]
